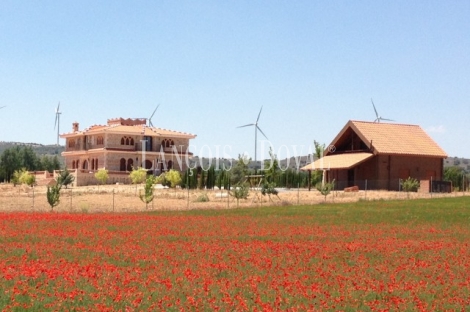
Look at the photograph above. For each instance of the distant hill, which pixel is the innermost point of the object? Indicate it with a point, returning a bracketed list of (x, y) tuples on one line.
[(40, 149), (463, 163), (52, 150)]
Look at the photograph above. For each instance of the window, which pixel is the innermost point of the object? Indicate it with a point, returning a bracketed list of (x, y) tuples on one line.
[(71, 142), (99, 140), (122, 165), (127, 141), (130, 164), (167, 143)]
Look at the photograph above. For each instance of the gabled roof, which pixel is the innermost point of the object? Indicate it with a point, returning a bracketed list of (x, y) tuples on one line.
[(127, 127), (392, 138), (338, 161)]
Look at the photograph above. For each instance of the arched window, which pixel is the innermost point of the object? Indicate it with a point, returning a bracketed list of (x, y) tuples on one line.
[(122, 165), (130, 164), (168, 143), (148, 164), (96, 163), (73, 164), (77, 164), (85, 164), (170, 165), (131, 141), (123, 141)]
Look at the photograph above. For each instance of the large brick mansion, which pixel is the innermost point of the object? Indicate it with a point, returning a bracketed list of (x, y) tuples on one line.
[(121, 145)]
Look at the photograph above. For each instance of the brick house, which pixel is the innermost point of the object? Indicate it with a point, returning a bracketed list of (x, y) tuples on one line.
[(381, 154), (121, 145)]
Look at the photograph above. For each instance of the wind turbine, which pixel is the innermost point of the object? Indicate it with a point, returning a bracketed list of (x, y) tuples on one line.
[(150, 119), (255, 124), (378, 118), (57, 121)]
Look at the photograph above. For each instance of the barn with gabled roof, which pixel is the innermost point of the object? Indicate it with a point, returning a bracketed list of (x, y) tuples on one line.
[(380, 155)]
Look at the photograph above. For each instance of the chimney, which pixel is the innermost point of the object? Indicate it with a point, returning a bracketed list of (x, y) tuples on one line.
[(75, 127)]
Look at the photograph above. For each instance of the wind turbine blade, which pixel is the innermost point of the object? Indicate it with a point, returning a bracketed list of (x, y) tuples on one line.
[(58, 106), (56, 118), (259, 114), (154, 111), (386, 119), (252, 124), (262, 132), (376, 114)]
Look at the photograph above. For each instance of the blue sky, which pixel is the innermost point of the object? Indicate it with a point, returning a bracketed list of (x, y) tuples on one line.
[(211, 65)]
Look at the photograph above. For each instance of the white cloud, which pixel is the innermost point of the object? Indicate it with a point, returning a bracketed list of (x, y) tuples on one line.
[(436, 129)]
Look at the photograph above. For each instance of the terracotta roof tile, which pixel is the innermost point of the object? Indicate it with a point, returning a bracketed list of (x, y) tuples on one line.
[(392, 138), (139, 129)]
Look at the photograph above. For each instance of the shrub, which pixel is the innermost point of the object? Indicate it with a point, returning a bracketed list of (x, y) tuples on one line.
[(409, 185), (202, 198), (102, 176), (173, 177), (138, 175), (65, 178)]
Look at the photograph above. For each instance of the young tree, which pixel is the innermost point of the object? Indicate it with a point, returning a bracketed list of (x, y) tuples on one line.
[(269, 189), (326, 188), (53, 195), (271, 167), (65, 178), (148, 196), (102, 176), (240, 170), (241, 191)]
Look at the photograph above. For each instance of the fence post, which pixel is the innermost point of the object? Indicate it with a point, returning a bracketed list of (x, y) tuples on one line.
[(298, 193), (431, 186), (365, 193), (113, 199)]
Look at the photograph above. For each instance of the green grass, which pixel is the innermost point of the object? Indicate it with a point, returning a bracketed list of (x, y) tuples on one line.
[(443, 211)]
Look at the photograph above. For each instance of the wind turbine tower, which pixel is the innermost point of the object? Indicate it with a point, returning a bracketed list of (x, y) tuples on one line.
[(255, 124), (57, 121)]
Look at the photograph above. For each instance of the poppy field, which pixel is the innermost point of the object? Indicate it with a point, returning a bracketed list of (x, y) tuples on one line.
[(368, 256)]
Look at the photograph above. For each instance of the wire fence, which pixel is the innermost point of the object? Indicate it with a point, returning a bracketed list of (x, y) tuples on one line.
[(125, 198)]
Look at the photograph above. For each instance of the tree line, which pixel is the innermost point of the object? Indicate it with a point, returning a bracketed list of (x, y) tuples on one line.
[(24, 157)]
